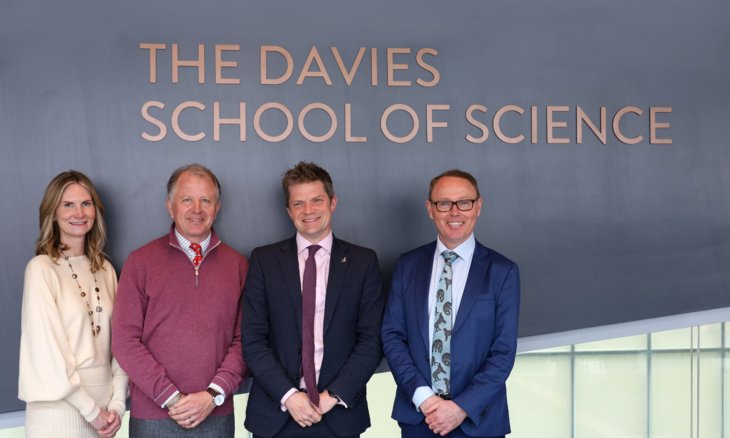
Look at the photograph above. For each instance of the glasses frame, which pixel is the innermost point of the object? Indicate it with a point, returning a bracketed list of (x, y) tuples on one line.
[(454, 203)]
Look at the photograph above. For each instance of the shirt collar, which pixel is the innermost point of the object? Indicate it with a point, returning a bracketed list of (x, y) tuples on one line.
[(185, 243), (325, 243), (465, 250)]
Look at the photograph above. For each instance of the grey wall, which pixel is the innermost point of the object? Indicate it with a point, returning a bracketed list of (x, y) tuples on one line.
[(603, 233)]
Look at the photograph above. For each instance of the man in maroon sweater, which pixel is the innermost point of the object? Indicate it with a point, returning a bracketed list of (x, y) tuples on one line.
[(176, 327)]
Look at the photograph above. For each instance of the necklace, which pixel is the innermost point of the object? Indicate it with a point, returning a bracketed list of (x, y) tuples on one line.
[(95, 328)]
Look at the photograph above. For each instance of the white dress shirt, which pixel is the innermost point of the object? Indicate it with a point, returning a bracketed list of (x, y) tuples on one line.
[(460, 272), (322, 259)]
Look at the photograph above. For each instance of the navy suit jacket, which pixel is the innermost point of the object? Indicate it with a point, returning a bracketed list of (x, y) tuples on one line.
[(272, 339), (483, 344)]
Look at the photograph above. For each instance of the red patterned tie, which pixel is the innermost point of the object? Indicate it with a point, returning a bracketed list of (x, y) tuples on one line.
[(309, 287), (198, 253)]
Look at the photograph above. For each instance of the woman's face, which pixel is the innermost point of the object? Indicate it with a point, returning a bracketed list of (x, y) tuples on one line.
[(75, 213)]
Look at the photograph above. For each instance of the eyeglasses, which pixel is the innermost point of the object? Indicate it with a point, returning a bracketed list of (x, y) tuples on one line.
[(462, 205)]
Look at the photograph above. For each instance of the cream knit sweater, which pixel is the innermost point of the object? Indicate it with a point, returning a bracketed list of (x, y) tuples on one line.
[(60, 359)]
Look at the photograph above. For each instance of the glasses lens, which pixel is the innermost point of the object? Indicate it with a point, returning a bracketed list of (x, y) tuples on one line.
[(443, 206), (465, 204)]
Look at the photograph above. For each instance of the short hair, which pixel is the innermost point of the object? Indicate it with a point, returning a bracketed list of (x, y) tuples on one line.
[(49, 241), (195, 169), (306, 173), (456, 173)]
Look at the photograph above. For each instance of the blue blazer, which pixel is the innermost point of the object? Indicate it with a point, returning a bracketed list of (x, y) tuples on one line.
[(272, 339), (483, 345)]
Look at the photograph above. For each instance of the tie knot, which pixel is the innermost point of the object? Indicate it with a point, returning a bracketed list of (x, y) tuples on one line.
[(198, 253), (313, 249), (449, 256)]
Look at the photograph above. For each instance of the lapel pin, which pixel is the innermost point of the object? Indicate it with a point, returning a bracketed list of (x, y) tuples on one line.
[(344, 260)]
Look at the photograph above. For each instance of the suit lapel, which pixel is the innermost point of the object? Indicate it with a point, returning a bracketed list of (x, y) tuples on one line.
[(289, 264), (474, 284), (423, 280), (339, 261)]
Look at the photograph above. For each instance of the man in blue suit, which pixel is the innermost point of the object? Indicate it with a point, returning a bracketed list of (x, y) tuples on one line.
[(450, 326), (312, 311)]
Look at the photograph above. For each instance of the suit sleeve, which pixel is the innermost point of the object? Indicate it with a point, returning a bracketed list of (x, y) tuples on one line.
[(255, 327), (489, 381), (128, 321), (395, 338), (367, 352)]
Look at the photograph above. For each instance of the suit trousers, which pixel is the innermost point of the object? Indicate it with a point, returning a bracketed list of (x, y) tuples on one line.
[(317, 430), (422, 431)]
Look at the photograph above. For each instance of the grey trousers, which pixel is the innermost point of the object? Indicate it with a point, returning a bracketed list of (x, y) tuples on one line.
[(213, 427)]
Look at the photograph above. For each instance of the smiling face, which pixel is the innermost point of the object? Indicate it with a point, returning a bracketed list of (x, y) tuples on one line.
[(310, 210), (193, 204), (75, 213), (454, 226)]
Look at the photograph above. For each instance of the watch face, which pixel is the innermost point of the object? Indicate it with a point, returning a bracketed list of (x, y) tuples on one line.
[(218, 399)]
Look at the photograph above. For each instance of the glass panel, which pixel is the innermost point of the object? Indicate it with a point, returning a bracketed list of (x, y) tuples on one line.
[(539, 396), (381, 394), (672, 339), (711, 336), (239, 411), (710, 395), (671, 395), (611, 395), (630, 343), (17, 432)]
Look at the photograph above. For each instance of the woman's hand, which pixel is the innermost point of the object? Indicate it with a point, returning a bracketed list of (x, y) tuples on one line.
[(107, 423)]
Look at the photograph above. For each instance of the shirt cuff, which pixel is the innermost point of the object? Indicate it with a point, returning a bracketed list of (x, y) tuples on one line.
[(217, 389), (420, 396), (286, 397), (164, 405), (339, 400)]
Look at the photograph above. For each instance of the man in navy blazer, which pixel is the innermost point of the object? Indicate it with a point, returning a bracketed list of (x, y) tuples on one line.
[(346, 324), (470, 399)]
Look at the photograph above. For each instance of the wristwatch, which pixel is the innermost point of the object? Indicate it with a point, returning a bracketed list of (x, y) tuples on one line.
[(218, 398)]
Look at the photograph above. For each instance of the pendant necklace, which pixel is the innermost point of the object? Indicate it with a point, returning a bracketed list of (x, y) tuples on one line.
[(95, 328)]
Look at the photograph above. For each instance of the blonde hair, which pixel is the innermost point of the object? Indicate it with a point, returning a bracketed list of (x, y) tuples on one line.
[(49, 240)]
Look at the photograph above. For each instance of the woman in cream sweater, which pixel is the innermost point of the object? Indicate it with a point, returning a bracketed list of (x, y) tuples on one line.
[(70, 383)]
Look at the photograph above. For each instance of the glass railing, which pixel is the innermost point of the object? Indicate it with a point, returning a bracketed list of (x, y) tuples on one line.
[(664, 384)]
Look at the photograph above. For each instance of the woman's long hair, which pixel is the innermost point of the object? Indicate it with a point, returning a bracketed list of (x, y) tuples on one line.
[(49, 240)]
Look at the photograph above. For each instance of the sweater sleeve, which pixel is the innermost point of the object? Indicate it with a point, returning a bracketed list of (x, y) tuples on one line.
[(120, 380), (127, 328), (232, 369), (119, 386), (47, 369)]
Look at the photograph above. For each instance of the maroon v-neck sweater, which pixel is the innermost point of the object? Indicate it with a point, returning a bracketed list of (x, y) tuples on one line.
[(176, 329)]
